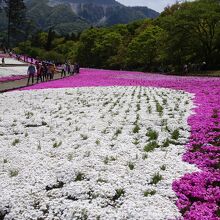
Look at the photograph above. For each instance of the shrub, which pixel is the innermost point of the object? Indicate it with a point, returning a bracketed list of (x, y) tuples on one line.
[(106, 160), (118, 131), (131, 165), (118, 194), (15, 142), (166, 143), (80, 176), (13, 173), (136, 129), (152, 135), (159, 108), (175, 135), (70, 156), (149, 193), (56, 144), (156, 178), (84, 137), (97, 142), (135, 142), (145, 156), (151, 146), (163, 167), (100, 180)]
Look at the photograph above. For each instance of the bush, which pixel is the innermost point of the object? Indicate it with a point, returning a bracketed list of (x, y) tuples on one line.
[(153, 135), (151, 146), (175, 135), (156, 178)]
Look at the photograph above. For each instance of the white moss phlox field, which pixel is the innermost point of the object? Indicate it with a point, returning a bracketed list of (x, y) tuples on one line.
[(84, 153), (12, 70), (13, 61)]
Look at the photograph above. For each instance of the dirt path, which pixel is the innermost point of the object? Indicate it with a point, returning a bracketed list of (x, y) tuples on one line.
[(10, 85)]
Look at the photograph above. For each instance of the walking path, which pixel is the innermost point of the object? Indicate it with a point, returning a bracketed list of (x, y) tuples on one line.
[(20, 83)]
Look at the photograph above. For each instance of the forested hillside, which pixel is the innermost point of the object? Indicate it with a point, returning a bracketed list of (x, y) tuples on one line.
[(187, 33)]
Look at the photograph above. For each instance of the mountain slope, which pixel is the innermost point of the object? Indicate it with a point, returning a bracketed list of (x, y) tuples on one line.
[(106, 12), (68, 16)]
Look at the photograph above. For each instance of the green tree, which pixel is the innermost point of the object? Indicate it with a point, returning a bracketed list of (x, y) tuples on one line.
[(15, 11), (193, 31), (85, 53), (50, 37), (105, 47), (143, 49)]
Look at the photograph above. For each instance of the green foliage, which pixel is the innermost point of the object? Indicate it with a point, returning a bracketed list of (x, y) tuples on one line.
[(175, 135), (151, 146), (152, 135), (149, 193), (13, 173), (192, 32), (84, 137), (119, 193), (144, 156), (56, 144), (156, 178), (163, 167), (15, 142), (118, 131), (136, 129), (131, 165), (143, 49), (80, 176), (166, 143), (159, 108)]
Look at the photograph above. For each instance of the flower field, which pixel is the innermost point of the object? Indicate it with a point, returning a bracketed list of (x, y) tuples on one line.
[(10, 73), (111, 145), (13, 61)]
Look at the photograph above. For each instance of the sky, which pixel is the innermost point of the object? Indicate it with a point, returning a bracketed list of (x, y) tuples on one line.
[(157, 5)]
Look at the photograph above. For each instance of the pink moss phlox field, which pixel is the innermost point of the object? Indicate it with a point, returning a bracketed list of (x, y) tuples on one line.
[(15, 77), (198, 193), (11, 78)]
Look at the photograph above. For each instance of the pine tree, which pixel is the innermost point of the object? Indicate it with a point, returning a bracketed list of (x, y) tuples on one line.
[(15, 11), (50, 38)]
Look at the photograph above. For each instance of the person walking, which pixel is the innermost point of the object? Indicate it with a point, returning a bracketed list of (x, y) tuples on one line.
[(77, 68), (31, 72), (63, 71), (49, 71), (185, 69), (68, 68), (53, 70), (3, 61), (39, 72), (44, 72)]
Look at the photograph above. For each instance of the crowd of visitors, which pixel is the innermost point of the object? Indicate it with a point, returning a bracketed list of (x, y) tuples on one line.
[(192, 67), (45, 71)]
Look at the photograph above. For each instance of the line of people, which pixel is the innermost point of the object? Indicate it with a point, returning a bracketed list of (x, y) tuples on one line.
[(69, 69), (45, 71)]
